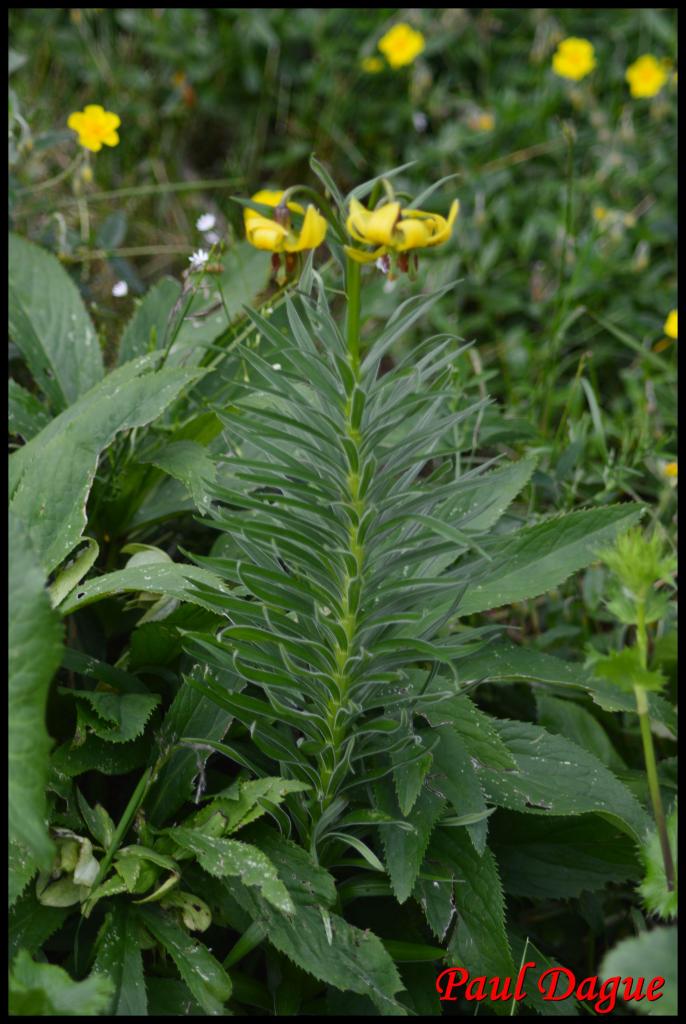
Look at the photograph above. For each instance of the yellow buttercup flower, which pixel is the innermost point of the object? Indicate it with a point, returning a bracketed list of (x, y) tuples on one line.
[(392, 230), (599, 214), (401, 45), (371, 65), (277, 235), (574, 58), (671, 469), (646, 76), (95, 127), (671, 326)]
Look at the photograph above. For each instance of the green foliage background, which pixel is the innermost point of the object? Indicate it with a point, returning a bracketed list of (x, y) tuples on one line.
[(133, 534)]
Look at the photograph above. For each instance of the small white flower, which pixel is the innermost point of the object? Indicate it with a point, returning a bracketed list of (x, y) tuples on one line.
[(198, 259), (212, 237), (120, 289), (206, 222), (382, 264), (420, 121), (276, 366)]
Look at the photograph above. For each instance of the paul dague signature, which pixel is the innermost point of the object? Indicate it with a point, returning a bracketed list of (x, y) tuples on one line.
[(555, 984)]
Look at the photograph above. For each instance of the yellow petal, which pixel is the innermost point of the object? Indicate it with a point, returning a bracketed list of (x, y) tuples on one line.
[(113, 121), (75, 120), (91, 142), (430, 228), (111, 139), (416, 234), (268, 197), (364, 257), (311, 234), (445, 229), (93, 109), (266, 234), (375, 227)]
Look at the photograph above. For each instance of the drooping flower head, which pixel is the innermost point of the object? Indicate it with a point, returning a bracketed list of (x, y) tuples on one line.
[(646, 76), (401, 45), (394, 232), (277, 234), (95, 127), (574, 58)]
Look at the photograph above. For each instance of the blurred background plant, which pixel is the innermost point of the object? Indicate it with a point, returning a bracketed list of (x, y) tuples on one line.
[(566, 238)]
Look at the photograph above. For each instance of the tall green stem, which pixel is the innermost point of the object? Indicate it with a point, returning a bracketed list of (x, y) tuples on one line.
[(649, 751), (348, 620), (353, 289)]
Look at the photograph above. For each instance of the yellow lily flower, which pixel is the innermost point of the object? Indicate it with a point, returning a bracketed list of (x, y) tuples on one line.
[(393, 230), (277, 235)]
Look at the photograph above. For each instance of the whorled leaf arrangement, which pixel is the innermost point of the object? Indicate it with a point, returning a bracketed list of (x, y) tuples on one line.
[(355, 535), (339, 582)]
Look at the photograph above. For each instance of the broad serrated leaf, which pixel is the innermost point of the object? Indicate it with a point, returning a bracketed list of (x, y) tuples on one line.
[(31, 924), (570, 719), (488, 496), (203, 974), (246, 801), (118, 958), (453, 776), (404, 850), (538, 558), (340, 955), (479, 941), (190, 463), (22, 866), (502, 662), (308, 883), (117, 718), (436, 900), (408, 778), (225, 858), (50, 325), (473, 726), (554, 776), (98, 755), (34, 655), (558, 858)]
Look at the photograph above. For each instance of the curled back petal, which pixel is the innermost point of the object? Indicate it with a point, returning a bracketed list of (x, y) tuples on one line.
[(374, 227), (311, 234), (360, 256)]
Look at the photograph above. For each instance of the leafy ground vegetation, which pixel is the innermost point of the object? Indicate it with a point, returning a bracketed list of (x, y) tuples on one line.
[(342, 510)]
